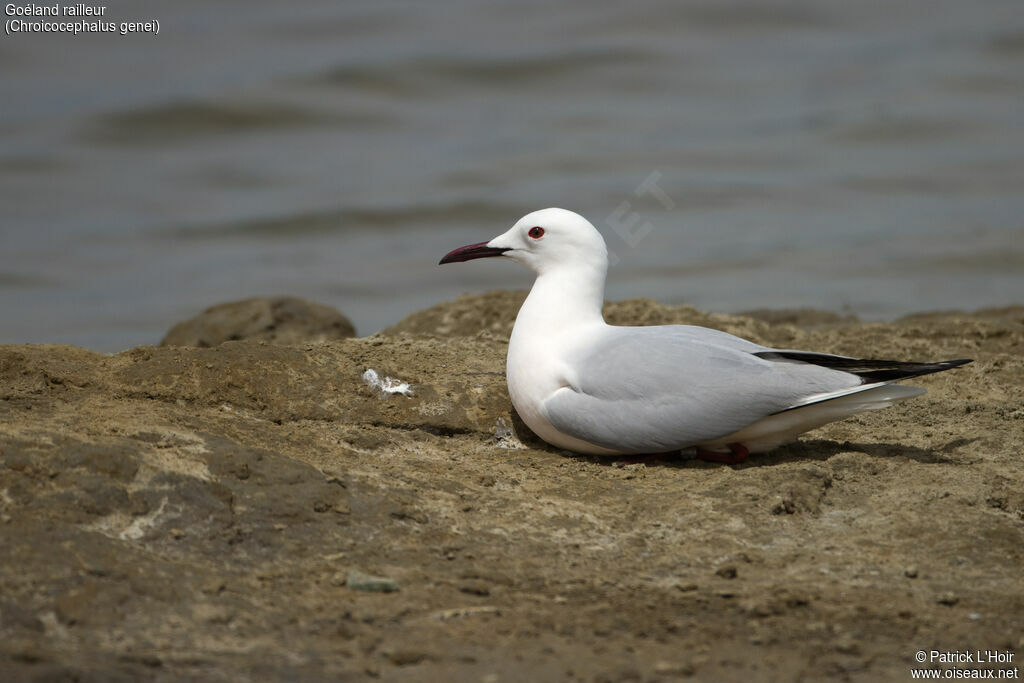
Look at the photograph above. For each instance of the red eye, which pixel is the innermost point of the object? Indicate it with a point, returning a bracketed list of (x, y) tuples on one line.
[(536, 232)]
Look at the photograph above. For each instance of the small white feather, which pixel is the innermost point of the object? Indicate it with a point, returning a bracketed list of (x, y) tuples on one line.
[(388, 385)]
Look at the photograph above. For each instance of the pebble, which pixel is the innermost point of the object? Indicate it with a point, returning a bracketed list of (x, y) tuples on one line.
[(358, 581), (664, 668)]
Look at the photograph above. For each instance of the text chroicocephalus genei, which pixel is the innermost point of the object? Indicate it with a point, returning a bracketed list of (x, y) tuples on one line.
[(590, 387)]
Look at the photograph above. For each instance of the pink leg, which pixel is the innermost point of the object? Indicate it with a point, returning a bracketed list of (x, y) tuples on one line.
[(738, 454)]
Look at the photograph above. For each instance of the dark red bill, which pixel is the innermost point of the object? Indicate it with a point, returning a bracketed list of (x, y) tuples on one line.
[(470, 252)]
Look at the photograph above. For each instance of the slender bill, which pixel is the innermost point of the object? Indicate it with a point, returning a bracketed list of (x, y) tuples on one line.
[(470, 252)]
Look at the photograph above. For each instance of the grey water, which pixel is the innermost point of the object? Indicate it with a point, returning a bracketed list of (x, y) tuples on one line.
[(864, 157)]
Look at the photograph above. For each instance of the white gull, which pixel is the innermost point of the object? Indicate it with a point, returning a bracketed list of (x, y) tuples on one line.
[(590, 387)]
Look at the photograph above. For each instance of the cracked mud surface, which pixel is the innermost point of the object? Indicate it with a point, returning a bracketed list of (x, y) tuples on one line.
[(175, 514)]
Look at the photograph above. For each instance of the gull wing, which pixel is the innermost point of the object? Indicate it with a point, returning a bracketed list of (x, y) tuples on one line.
[(651, 389)]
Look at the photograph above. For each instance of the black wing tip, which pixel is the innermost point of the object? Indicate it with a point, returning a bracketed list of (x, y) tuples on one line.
[(913, 370), (869, 370)]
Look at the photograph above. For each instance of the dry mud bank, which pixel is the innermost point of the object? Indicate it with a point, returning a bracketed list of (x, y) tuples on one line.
[(178, 514)]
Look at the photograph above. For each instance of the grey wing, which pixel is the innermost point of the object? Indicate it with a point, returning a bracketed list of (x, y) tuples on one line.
[(652, 389)]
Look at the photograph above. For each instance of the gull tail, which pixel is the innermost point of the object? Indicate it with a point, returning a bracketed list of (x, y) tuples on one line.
[(815, 411), (865, 397), (877, 391)]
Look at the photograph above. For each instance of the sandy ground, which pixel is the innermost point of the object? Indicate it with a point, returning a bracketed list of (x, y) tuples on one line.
[(176, 514)]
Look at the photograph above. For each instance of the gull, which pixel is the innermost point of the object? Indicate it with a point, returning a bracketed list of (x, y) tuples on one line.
[(586, 386)]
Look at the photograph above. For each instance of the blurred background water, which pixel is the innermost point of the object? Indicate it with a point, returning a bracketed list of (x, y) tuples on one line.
[(861, 157)]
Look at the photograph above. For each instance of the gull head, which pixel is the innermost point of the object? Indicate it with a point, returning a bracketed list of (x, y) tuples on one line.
[(543, 241)]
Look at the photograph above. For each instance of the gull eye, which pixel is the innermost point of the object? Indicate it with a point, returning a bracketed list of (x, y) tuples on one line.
[(536, 232)]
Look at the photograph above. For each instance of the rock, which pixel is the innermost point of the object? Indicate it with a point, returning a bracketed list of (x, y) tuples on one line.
[(469, 315), (184, 513), (802, 317), (278, 320)]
